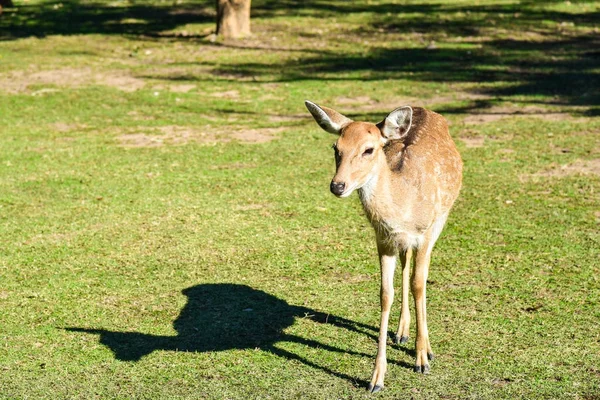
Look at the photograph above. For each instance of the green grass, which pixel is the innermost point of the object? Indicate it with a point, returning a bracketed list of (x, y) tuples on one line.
[(146, 254)]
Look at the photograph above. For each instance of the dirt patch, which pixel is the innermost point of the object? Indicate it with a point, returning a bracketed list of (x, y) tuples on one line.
[(136, 116), (506, 151), (229, 94), (141, 140), (288, 118), (473, 142), (579, 167), (270, 97), (233, 166), (487, 115), (366, 103), (354, 100), (181, 88), (181, 135), (256, 135), (120, 81), (505, 155), (348, 277), (497, 113), (20, 81), (483, 118), (177, 74), (64, 127), (250, 207), (45, 91), (501, 382)]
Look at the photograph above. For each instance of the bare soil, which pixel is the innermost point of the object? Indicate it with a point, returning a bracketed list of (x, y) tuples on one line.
[(20, 81), (366, 103), (183, 88), (473, 142), (65, 127), (579, 167), (180, 135), (288, 118), (233, 166), (497, 113), (229, 94)]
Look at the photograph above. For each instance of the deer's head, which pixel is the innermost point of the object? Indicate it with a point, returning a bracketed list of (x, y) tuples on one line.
[(359, 147)]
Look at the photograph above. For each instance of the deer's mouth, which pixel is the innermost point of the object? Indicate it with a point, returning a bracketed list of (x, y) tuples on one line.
[(348, 191)]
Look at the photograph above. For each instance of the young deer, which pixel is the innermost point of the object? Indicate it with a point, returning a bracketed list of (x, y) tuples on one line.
[(408, 174)]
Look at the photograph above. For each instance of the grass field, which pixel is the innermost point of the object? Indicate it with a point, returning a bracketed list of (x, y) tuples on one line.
[(166, 226)]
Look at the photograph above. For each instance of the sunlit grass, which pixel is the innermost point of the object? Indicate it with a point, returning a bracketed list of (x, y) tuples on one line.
[(148, 173)]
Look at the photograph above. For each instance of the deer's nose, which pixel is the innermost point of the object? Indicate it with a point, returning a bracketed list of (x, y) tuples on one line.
[(337, 188)]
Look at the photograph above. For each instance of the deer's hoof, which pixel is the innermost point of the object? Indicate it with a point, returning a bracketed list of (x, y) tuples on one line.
[(374, 389), (422, 369), (400, 339)]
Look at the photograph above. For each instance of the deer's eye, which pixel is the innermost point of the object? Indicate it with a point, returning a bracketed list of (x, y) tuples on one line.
[(368, 151)]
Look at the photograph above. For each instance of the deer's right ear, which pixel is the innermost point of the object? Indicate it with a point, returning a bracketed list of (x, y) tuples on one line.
[(328, 119)]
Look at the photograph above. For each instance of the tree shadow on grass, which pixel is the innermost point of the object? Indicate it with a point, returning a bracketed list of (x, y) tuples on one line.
[(220, 317), (148, 18), (72, 17), (526, 51), (563, 71)]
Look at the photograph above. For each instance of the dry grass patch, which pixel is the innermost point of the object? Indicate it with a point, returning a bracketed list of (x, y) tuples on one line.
[(497, 113), (228, 94), (473, 142), (578, 167), (19, 81), (251, 207), (65, 127), (255, 135), (232, 166), (366, 103), (183, 88), (288, 118), (174, 135)]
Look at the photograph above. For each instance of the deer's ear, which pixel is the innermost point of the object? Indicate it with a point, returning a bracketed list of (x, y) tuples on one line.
[(328, 119), (397, 124)]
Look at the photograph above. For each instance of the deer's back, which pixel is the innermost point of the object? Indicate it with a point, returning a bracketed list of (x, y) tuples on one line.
[(426, 164)]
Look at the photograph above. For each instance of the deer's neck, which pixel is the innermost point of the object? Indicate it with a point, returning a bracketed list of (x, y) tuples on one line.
[(391, 219), (377, 188)]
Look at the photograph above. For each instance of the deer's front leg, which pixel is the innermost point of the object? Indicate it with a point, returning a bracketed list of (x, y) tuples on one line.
[(387, 260)]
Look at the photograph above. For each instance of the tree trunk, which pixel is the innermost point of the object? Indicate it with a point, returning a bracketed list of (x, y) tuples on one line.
[(233, 18)]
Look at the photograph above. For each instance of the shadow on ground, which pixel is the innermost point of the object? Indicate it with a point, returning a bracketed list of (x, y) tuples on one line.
[(220, 317), (73, 17), (507, 51)]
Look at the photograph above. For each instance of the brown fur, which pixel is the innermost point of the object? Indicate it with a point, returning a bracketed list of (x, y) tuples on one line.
[(425, 175)]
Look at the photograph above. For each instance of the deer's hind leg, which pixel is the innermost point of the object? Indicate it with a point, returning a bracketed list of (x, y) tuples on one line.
[(418, 286), (404, 325)]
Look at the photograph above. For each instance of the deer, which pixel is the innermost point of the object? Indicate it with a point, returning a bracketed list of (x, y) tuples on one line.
[(408, 173)]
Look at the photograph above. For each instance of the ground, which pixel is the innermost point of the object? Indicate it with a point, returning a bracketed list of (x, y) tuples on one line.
[(167, 229)]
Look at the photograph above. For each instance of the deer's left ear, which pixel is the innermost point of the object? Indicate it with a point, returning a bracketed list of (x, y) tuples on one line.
[(397, 124), (327, 118)]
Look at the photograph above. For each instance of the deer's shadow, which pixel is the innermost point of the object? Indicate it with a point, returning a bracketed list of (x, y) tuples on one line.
[(221, 317)]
